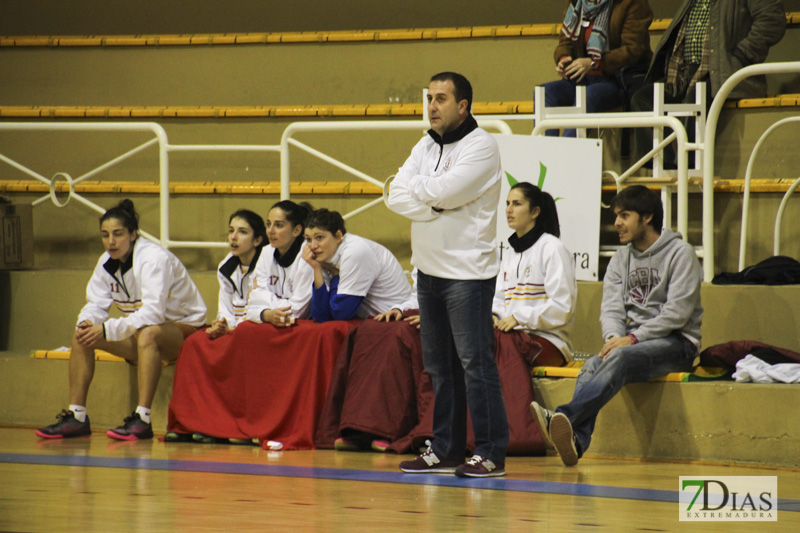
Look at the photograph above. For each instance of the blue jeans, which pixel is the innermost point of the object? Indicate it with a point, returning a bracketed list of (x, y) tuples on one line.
[(458, 354), (602, 94), (599, 380)]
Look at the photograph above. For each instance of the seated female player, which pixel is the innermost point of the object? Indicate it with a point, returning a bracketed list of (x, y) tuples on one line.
[(536, 287), (275, 289), (353, 276), (246, 237), (380, 394), (161, 307)]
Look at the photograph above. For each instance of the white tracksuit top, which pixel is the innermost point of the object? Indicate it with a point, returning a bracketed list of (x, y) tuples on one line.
[(538, 288), (462, 179), (234, 288), (154, 289), (276, 287)]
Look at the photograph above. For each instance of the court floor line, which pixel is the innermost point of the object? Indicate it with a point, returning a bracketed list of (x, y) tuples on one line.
[(342, 474)]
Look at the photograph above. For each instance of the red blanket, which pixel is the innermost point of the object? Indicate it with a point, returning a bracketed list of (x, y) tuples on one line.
[(379, 387), (258, 381)]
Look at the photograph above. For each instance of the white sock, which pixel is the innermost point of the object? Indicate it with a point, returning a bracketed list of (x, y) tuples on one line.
[(144, 413), (79, 412)]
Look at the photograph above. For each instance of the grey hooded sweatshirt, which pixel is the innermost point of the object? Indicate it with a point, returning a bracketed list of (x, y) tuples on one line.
[(653, 293)]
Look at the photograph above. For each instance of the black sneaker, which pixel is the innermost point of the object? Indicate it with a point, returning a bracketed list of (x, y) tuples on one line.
[(429, 463), (208, 439), (134, 428), (174, 436), (66, 427)]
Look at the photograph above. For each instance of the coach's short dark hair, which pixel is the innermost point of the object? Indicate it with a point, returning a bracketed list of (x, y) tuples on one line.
[(462, 89)]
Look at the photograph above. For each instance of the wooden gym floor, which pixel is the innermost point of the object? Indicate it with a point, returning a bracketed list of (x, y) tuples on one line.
[(96, 484)]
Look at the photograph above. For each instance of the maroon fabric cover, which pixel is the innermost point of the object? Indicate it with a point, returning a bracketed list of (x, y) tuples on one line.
[(727, 354), (379, 386), (257, 381)]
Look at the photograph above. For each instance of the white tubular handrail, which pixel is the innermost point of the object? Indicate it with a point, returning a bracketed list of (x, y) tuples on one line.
[(710, 143), (637, 121), (145, 127), (748, 176), (164, 148), (776, 250)]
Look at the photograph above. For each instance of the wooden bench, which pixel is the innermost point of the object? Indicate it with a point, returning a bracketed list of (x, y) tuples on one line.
[(571, 370)]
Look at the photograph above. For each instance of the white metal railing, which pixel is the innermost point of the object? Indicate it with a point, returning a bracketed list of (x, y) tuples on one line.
[(697, 110), (635, 120), (710, 143), (579, 118), (161, 141), (288, 140), (164, 148), (776, 244)]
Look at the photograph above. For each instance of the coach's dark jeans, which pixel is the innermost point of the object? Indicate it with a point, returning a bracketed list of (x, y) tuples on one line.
[(458, 353)]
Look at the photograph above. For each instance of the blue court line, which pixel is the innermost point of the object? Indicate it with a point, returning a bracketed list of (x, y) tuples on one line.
[(341, 474)]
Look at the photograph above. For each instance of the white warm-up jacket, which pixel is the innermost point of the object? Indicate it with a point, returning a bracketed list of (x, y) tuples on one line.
[(538, 288), (151, 288), (462, 180), (275, 286), (234, 288)]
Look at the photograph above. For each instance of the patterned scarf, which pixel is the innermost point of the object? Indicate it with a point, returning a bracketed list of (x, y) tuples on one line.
[(598, 11)]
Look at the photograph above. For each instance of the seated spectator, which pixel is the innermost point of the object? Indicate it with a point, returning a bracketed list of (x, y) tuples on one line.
[(353, 276), (161, 307), (536, 287), (380, 396), (599, 40), (650, 316), (708, 41)]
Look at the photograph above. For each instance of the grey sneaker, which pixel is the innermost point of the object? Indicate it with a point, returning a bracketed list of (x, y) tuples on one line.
[(543, 417), (477, 466), (563, 439)]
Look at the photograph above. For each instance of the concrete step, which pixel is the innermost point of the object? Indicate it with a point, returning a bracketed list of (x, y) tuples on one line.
[(715, 421)]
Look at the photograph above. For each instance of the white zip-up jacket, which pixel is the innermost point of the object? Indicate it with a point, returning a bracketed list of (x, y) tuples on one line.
[(234, 288), (450, 191), (276, 286), (539, 289), (151, 288)]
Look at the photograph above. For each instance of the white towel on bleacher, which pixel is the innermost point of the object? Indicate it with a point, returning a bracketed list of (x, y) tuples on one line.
[(753, 369)]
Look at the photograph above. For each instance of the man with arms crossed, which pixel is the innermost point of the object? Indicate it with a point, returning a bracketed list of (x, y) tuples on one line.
[(450, 187), (650, 316)]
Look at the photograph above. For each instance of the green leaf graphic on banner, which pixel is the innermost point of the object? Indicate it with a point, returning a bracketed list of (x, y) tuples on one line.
[(542, 173)]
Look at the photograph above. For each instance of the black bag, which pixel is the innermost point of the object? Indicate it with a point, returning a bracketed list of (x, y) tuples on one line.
[(776, 270)]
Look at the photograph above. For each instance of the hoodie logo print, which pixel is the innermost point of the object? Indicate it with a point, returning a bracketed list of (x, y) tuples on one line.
[(641, 281)]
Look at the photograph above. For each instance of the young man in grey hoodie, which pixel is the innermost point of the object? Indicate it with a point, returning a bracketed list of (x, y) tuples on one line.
[(650, 316)]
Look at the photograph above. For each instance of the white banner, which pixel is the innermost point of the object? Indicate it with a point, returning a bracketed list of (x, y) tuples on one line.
[(571, 171)]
